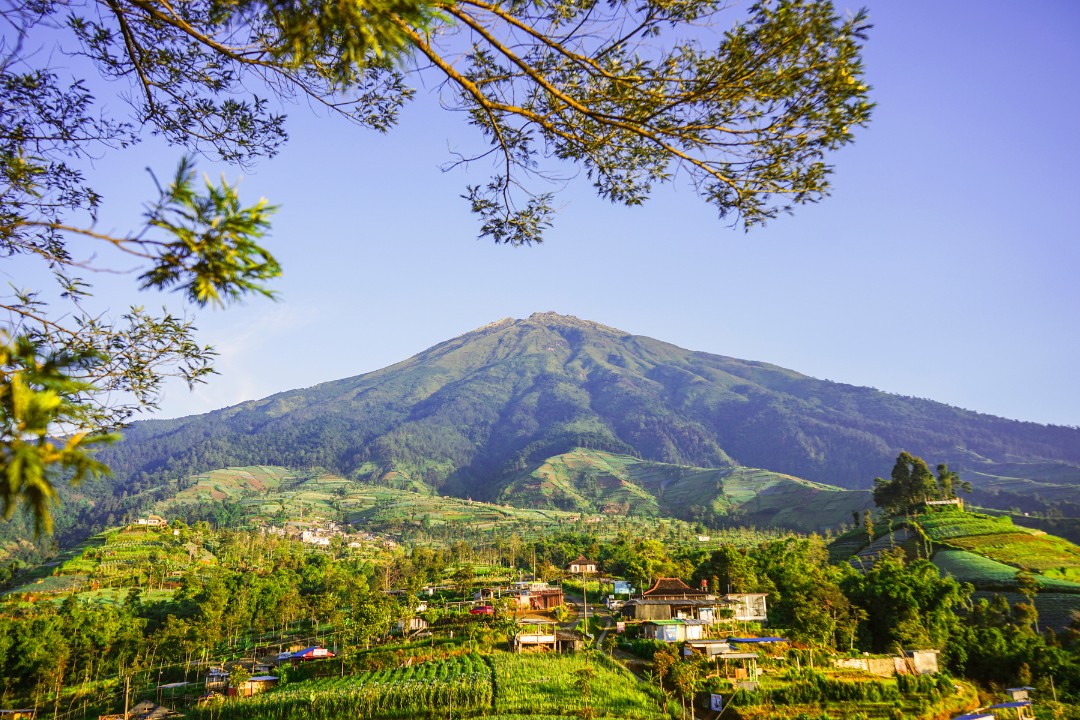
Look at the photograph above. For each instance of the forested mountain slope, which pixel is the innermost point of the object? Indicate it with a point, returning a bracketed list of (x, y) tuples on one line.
[(469, 414)]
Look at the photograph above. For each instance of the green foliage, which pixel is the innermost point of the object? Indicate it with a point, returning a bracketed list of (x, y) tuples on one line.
[(805, 592), (211, 255), (910, 485), (907, 605), (40, 396)]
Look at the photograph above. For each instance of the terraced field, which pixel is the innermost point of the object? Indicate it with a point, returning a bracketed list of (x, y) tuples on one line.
[(998, 539), (1039, 553), (943, 526)]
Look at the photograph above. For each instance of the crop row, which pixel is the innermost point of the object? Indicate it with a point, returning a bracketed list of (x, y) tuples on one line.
[(414, 691)]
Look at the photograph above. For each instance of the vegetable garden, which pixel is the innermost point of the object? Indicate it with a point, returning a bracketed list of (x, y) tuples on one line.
[(422, 690)]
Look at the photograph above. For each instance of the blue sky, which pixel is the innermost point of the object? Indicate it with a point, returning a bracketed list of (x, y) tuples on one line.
[(943, 266)]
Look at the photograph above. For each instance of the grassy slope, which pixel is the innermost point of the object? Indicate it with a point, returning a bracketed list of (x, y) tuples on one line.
[(598, 481)]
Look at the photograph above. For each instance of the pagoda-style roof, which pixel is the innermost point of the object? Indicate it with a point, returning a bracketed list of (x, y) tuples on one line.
[(672, 588), (582, 560)]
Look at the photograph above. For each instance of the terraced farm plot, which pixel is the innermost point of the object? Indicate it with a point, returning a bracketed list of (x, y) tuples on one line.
[(805, 507), (985, 573), (946, 525), (1033, 551), (586, 479), (580, 479), (235, 482), (54, 585)]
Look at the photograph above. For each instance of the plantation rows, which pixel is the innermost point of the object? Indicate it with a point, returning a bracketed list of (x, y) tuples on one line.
[(426, 689)]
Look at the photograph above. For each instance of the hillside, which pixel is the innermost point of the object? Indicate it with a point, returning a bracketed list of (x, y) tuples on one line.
[(470, 414), (596, 481), (985, 551)]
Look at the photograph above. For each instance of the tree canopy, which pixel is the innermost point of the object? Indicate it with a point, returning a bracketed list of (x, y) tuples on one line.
[(632, 95), (911, 484)]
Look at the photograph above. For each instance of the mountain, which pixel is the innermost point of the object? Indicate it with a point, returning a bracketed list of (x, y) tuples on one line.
[(471, 415)]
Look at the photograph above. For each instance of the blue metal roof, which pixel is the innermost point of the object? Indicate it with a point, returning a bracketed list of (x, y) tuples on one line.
[(1013, 704)]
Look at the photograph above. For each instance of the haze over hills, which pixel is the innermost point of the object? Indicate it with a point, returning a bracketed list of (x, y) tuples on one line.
[(471, 416)]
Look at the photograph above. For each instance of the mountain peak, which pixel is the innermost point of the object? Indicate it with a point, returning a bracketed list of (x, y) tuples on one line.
[(554, 319)]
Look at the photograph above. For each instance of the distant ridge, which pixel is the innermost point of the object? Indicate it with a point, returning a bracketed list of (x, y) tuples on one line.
[(472, 413)]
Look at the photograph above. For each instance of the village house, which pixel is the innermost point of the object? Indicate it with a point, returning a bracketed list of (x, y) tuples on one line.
[(217, 679), (674, 631), (536, 595), (545, 635), (314, 538), (311, 653), (672, 599), (256, 685), (151, 521), (582, 566), (734, 664), (412, 625), (747, 607)]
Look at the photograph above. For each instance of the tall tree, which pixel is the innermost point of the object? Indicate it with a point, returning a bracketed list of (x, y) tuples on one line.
[(632, 94), (910, 484)]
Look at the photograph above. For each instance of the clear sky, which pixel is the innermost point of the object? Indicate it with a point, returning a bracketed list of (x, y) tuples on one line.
[(945, 264)]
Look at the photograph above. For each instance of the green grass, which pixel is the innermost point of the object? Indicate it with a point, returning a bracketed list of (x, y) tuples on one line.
[(549, 683)]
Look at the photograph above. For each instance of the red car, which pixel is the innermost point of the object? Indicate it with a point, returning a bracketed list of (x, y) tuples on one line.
[(482, 610)]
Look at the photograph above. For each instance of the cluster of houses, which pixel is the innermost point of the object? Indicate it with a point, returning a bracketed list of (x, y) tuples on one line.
[(320, 534), (217, 679)]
